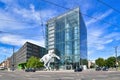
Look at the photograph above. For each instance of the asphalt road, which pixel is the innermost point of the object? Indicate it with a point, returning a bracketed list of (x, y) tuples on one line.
[(60, 75)]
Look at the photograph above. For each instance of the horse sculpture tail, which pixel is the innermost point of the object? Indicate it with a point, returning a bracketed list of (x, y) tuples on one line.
[(56, 56), (41, 60)]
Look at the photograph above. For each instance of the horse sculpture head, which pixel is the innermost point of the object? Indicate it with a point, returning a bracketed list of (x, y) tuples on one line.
[(52, 54)]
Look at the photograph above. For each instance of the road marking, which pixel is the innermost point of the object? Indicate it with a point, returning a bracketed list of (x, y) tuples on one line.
[(33, 78), (27, 75), (111, 71), (67, 78), (44, 75)]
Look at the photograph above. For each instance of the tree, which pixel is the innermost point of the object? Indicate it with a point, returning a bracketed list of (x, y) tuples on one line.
[(34, 62), (100, 62), (118, 58), (22, 65), (111, 62)]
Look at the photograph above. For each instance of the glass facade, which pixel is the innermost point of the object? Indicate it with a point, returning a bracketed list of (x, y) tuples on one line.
[(67, 35)]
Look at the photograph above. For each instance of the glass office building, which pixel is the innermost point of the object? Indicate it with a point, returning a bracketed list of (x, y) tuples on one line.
[(67, 35)]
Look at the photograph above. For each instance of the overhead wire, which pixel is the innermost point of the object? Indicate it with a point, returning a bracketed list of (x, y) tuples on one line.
[(66, 9), (71, 9), (10, 20), (100, 1), (52, 3), (15, 21), (14, 33)]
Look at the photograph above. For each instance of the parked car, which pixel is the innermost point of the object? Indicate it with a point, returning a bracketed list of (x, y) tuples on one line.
[(105, 68), (2, 68), (30, 70), (78, 70), (98, 69)]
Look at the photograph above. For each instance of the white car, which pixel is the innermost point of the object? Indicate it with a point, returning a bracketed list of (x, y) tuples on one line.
[(2, 68)]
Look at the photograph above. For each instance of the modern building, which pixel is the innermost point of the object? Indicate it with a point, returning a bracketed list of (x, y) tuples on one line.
[(67, 35), (25, 52)]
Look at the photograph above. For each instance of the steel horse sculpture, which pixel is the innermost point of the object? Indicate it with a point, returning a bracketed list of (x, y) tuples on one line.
[(47, 59)]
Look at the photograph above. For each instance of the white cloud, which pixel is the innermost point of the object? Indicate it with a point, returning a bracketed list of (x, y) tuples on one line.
[(99, 16), (90, 52), (96, 33), (84, 8), (100, 47), (37, 42), (22, 17), (96, 39), (113, 35), (34, 15), (18, 40), (7, 1), (108, 41), (11, 23), (5, 53)]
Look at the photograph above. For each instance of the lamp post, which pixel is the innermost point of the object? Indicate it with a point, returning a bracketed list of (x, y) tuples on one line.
[(13, 59), (116, 63)]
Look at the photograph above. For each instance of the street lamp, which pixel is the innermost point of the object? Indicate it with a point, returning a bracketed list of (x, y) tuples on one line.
[(116, 63), (13, 60)]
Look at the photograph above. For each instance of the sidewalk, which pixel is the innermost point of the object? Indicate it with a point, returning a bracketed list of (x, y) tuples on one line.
[(89, 70), (57, 71)]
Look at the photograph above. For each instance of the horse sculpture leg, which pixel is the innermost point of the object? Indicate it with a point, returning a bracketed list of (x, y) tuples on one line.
[(49, 68), (45, 65)]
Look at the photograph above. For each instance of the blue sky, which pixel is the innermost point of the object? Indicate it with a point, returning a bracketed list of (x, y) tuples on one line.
[(20, 22)]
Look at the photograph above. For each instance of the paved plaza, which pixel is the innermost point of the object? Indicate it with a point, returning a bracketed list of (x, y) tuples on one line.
[(60, 75)]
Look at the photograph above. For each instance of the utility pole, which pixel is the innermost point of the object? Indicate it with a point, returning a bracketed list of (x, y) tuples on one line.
[(116, 63)]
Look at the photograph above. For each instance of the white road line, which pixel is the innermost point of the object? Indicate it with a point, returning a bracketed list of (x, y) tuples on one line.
[(27, 75), (67, 78), (44, 75)]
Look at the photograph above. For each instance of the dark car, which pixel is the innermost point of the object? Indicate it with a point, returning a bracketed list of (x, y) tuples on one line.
[(98, 68), (30, 70), (78, 70), (105, 68)]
